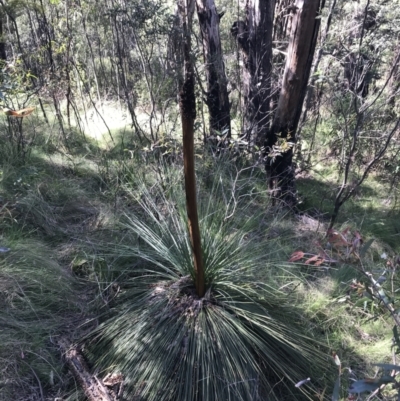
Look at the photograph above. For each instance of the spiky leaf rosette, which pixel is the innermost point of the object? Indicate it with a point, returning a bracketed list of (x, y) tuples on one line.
[(241, 341)]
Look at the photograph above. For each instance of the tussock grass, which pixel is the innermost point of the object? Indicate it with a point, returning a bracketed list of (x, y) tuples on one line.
[(39, 302), (43, 212)]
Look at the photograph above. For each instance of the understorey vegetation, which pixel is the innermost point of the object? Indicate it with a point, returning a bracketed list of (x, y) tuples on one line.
[(199, 200)]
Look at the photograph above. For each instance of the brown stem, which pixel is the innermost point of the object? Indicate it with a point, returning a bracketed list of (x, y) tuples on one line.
[(187, 103), (191, 203)]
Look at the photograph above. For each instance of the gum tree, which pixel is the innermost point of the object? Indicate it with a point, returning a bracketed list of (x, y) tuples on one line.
[(254, 38), (282, 135), (217, 99)]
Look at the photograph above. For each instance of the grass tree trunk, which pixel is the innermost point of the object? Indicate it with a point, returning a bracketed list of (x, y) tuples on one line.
[(254, 37), (217, 98), (282, 135), (187, 104)]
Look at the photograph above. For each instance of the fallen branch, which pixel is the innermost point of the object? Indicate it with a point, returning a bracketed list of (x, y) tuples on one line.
[(93, 387)]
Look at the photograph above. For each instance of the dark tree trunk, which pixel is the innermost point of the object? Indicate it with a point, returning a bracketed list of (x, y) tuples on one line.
[(3, 55), (175, 45), (282, 21), (357, 66), (217, 98), (282, 135), (187, 104), (394, 79), (254, 37)]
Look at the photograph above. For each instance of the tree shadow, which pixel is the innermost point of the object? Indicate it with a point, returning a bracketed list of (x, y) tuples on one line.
[(366, 210)]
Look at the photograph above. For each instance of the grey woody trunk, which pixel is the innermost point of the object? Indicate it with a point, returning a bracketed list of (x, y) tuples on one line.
[(254, 37), (187, 104), (217, 98), (281, 136)]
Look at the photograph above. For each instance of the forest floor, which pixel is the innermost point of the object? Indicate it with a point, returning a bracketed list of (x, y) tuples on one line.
[(59, 204)]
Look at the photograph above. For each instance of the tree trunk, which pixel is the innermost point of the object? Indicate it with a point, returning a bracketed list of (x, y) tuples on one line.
[(282, 135), (217, 98), (394, 79), (357, 65), (187, 104), (174, 53), (254, 37), (3, 54), (282, 21), (312, 100)]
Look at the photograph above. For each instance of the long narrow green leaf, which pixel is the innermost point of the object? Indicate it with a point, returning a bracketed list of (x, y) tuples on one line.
[(242, 341)]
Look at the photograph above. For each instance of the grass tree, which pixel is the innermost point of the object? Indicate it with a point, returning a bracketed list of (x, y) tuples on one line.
[(199, 317), (187, 103), (242, 340)]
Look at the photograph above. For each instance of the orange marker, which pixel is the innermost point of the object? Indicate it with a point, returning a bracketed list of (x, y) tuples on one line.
[(19, 113)]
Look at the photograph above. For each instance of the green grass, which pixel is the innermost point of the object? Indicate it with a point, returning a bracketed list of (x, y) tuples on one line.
[(38, 302), (370, 210), (98, 232)]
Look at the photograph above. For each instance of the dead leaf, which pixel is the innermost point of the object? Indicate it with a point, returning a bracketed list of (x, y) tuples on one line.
[(337, 239), (319, 262), (312, 259), (296, 256)]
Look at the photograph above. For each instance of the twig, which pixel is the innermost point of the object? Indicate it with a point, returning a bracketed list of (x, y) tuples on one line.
[(93, 387)]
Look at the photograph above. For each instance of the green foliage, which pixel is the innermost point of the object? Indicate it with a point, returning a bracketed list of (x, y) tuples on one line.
[(78, 58), (365, 290), (14, 80), (242, 341)]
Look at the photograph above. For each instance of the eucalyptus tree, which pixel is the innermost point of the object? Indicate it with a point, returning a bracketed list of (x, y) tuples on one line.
[(217, 99), (312, 100), (254, 38), (281, 137)]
